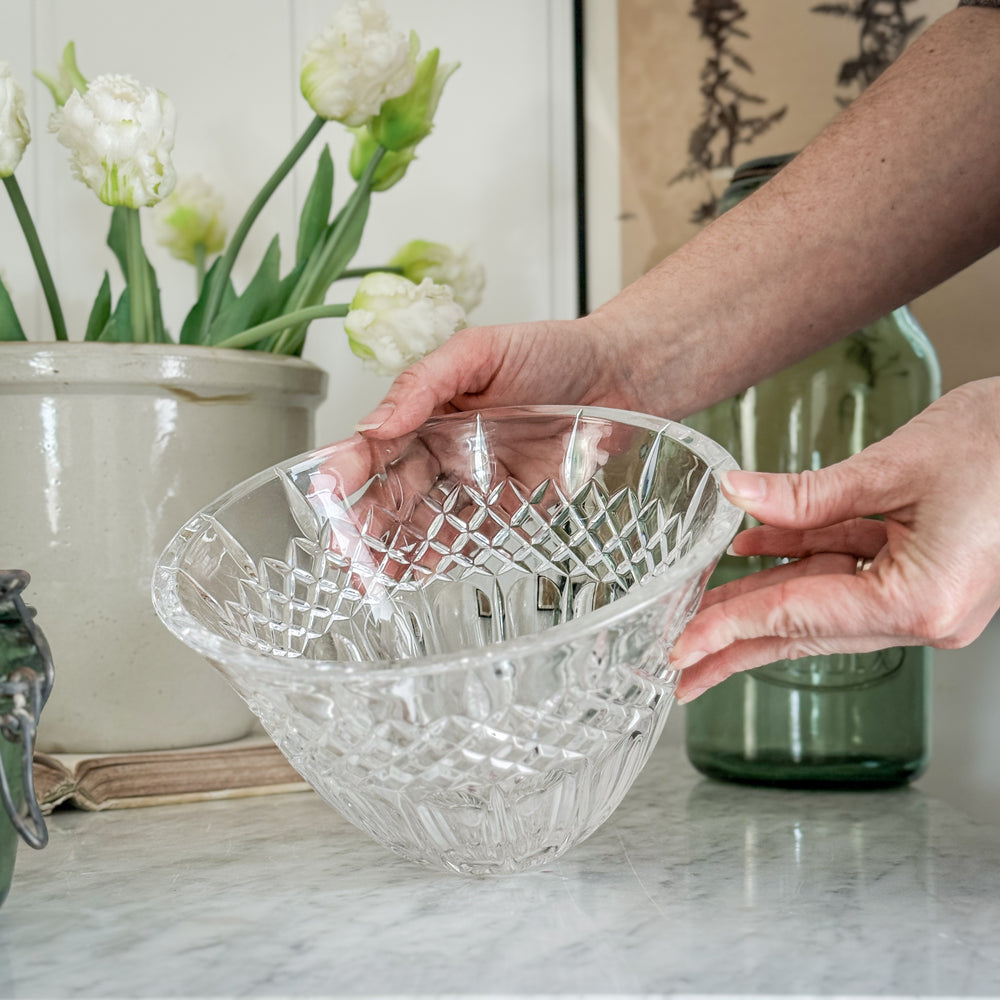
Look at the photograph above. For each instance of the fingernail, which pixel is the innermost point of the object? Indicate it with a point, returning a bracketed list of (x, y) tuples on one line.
[(376, 418), (683, 662), (689, 696), (744, 485)]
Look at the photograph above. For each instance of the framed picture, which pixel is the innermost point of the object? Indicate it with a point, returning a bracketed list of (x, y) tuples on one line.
[(676, 93)]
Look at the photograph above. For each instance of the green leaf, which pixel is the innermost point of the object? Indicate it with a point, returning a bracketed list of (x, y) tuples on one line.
[(10, 325), (330, 257), (327, 262), (284, 291), (252, 307), (316, 210), (191, 327), (118, 328), (229, 257), (101, 311), (342, 239), (287, 286)]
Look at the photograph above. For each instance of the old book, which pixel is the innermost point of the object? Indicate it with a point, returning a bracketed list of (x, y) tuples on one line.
[(252, 766)]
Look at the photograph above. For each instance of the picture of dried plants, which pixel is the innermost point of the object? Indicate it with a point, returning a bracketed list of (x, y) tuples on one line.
[(884, 31), (673, 61), (726, 121)]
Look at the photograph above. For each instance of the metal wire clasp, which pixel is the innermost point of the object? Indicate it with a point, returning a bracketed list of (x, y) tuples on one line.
[(27, 691)]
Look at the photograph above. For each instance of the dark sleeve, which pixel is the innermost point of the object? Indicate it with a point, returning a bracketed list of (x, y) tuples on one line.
[(979, 3)]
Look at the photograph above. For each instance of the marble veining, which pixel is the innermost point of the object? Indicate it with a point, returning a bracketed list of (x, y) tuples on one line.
[(692, 887)]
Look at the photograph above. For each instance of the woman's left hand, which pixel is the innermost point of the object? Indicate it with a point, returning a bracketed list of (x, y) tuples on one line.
[(934, 577)]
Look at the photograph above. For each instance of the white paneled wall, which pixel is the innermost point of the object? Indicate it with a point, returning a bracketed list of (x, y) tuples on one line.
[(496, 176)]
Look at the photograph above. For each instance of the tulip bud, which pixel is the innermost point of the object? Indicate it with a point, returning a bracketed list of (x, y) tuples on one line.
[(393, 323), (404, 121), (189, 219), (465, 277), (391, 168), (68, 77)]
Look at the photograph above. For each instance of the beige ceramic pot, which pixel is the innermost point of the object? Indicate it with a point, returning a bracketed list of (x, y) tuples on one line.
[(107, 450)]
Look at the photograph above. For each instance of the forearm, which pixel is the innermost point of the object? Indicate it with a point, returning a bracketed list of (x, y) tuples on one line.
[(899, 193)]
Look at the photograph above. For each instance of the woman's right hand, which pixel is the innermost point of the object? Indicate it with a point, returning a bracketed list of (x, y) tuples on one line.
[(570, 362)]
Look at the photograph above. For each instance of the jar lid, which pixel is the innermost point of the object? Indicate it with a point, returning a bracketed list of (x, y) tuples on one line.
[(763, 166), (23, 693), (749, 176)]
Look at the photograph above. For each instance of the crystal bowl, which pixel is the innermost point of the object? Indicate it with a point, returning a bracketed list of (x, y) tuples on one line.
[(459, 638)]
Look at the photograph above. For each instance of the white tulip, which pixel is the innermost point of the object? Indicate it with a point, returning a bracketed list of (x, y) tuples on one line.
[(464, 275), (15, 133), (357, 64), (392, 322), (120, 134)]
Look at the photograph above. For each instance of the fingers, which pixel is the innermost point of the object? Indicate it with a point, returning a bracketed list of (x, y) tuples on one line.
[(342, 468), (558, 361), (871, 482), (799, 609), (462, 366), (860, 536), (753, 653), (798, 601), (827, 562)]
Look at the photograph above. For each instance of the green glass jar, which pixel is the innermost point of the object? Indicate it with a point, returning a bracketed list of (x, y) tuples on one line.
[(848, 720), (25, 682)]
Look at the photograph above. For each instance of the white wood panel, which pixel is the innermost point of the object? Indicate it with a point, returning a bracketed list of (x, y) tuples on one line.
[(496, 175)]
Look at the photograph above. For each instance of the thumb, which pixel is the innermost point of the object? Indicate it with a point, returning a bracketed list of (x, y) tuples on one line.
[(871, 482), (457, 368)]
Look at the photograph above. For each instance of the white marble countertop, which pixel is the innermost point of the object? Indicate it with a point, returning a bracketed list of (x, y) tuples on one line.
[(692, 887)]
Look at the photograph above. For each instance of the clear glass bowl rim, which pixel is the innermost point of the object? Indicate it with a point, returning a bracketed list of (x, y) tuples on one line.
[(189, 630)]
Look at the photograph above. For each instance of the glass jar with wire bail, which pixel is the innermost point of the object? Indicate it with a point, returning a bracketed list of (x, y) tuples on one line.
[(848, 720), (26, 674)]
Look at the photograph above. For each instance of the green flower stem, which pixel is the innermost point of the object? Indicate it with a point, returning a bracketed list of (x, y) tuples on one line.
[(310, 285), (140, 294), (302, 316), (221, 278), (37, 255)]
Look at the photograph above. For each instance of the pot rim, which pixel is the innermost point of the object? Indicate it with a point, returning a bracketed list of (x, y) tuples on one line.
[(27, 365)]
